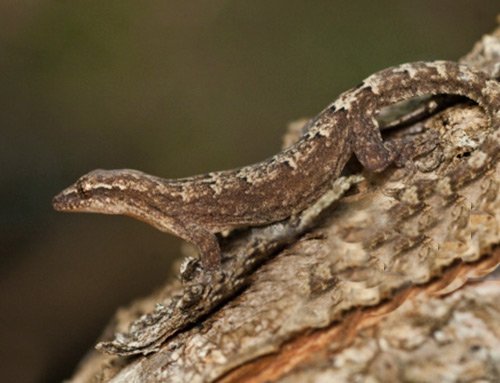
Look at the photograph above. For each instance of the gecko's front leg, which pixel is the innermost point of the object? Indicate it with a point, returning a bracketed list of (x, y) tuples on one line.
[(205, 242)]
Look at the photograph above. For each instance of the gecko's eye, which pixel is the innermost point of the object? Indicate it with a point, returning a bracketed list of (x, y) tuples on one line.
[(80, 187)]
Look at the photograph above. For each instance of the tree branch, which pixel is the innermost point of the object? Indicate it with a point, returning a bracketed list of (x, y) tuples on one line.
[(325, 305)]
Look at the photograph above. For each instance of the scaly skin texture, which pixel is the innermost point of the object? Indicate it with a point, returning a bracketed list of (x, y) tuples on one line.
[(196, 208)]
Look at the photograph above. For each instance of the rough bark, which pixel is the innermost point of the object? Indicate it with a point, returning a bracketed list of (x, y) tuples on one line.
[(379, 290)]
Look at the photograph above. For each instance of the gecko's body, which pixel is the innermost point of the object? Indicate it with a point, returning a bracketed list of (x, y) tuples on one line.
[(197, 207)]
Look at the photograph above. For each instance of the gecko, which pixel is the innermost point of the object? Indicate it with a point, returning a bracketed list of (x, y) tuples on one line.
[(197, 208)]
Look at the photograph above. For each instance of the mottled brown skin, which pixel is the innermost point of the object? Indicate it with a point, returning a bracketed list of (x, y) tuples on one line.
[(196, 208)]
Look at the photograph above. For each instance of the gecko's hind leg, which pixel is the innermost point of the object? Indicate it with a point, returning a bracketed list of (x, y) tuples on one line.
[(368, 146)]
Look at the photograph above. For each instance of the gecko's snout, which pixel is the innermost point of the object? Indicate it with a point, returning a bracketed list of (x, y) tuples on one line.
[(74, 197), (56, 202), (65, 200)]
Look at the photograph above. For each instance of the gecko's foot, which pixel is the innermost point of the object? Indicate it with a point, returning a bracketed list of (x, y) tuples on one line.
[(375, 155), (190, 270), (399, 149), (406, 150)]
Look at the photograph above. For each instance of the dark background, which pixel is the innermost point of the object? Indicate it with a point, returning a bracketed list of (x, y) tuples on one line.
[(173, 88)]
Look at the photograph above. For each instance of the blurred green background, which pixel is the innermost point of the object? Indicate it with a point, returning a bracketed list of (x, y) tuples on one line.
[(173, 88)]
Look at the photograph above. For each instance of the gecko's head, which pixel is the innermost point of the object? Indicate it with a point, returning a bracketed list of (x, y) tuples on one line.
[(100, 191)]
